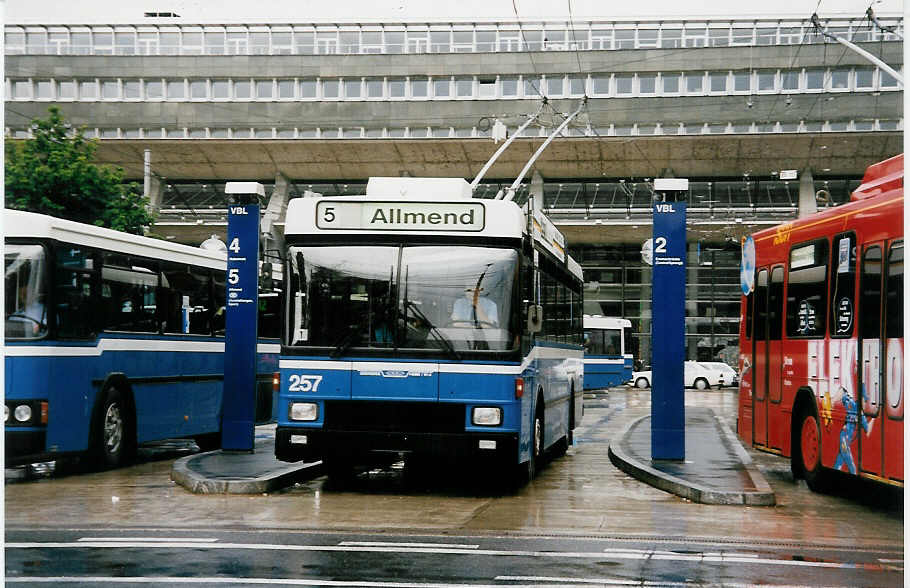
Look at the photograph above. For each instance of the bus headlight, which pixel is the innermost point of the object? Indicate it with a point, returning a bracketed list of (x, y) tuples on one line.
[(5, 413), (23, 413), (303, 411), (489, 416)]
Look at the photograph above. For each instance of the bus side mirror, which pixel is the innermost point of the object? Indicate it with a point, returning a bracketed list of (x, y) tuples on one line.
[(535, 318)]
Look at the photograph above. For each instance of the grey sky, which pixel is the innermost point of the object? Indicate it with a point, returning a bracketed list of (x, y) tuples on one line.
[(210, 11)]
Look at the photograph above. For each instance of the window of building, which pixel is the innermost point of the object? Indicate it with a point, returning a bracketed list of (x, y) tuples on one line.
[(532, 86), (671, 82), (307, 88), (420, 87), (442, 87), (647, 83), (374, 87), (600, 84), (110, 89), (243, 89), (199, 89), (176, 90), (285, 89), (742, 81), (717, 81), (767, 80), (44, 89), (352, 88), (624, 84), (464, 87), (815, 79), (577, 85), (508, 87), (214, 42), (88, 90), (331, 88), (132, 90), (66, 89), (154, 89), (554, 86), (695, 83), (789, 80), (221, 89), (264, 89), (864, 77), (840, 79)]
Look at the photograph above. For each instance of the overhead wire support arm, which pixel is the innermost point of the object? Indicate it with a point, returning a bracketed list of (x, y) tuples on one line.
[(505, 145), (897, 76), (871, 16), (510, 192)]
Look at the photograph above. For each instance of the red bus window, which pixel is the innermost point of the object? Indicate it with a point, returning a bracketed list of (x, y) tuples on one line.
[(843, 285), (807, 292)]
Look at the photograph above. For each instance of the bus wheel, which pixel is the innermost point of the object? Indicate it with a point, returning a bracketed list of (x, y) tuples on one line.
[(808, 461), (114, 440)]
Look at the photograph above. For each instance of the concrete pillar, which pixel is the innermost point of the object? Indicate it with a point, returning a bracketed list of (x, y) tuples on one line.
[(274, 211), (152, 187), (536, 190), (807, 204)]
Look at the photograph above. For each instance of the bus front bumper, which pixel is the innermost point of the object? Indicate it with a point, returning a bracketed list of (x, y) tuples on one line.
[(23, 447), (298, 444)]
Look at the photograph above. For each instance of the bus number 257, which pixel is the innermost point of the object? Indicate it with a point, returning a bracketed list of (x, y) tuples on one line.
[(303, 383)]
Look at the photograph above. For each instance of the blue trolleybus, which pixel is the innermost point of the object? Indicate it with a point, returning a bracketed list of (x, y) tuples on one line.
[(606, 361), (112, 340), (423, 323)]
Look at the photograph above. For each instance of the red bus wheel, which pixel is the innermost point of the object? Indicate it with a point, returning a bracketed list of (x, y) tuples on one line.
[(810, 451)]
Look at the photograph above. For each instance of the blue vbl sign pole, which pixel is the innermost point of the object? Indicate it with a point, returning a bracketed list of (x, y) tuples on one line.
[(242, 284), (668, 321)]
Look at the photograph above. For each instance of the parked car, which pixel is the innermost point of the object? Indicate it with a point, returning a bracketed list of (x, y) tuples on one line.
[(695, 375), (728, 374)]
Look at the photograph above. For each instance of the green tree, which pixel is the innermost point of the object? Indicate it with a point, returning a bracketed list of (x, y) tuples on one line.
[(53, 173)]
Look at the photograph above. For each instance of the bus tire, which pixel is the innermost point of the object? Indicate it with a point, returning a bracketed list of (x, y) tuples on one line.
[(806, 454), (114, 435)]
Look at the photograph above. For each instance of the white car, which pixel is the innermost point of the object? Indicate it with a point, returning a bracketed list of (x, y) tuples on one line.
[(695, 375), (728, 374)]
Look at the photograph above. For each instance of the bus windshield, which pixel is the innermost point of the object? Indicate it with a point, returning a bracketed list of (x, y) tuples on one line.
[(414, 297), (25, 288)]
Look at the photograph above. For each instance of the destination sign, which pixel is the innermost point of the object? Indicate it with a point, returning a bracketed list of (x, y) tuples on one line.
[(399, 215)]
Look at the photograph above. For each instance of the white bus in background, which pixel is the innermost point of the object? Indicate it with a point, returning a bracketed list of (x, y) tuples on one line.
[(607, 363)]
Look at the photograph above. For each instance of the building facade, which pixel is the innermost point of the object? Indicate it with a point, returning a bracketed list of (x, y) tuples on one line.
[(728, 103)]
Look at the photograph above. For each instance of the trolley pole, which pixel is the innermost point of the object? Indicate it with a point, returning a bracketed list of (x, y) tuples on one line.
[(668, 320), (239, 400)]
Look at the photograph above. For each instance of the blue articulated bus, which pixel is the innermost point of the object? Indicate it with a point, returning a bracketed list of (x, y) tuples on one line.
[(606, 361), (426, 324), (112, 340)]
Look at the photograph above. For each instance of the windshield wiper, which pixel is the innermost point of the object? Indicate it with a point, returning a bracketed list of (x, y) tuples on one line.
[(447, 345), (346, 342)]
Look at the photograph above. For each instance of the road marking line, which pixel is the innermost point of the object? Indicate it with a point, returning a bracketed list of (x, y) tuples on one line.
[(393, 544), (182, 580), (149, 539)]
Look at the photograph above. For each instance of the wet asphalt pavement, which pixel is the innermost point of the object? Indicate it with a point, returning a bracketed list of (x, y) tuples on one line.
[(579, 498)]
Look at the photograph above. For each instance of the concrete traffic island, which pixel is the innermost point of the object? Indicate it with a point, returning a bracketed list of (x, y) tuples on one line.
[(717, 470), (225, 472)]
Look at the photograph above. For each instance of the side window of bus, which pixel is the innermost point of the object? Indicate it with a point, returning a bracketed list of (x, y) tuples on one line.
[(186, 298), (761, 305), (612, 341), (129, 293), (894, 307), (776, 304), (807, 294), (843, 285), (73, 292)]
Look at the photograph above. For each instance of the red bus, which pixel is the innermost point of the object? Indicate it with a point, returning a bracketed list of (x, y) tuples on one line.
[(821, 336)]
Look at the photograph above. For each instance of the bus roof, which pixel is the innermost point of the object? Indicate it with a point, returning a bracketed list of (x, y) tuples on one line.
[(596, 321), (882, 188), (21, 224), (423, 206)]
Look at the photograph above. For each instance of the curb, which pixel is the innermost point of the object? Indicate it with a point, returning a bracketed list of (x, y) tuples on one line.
[(762, 496), (280, 477)]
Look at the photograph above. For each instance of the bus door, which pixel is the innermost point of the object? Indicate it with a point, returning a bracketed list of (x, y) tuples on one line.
[(893, 356), (778, 427), (760, 361), (870, 345)]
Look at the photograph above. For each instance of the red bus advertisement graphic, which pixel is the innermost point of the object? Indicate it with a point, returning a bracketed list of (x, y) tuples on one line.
[(821, 336)]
